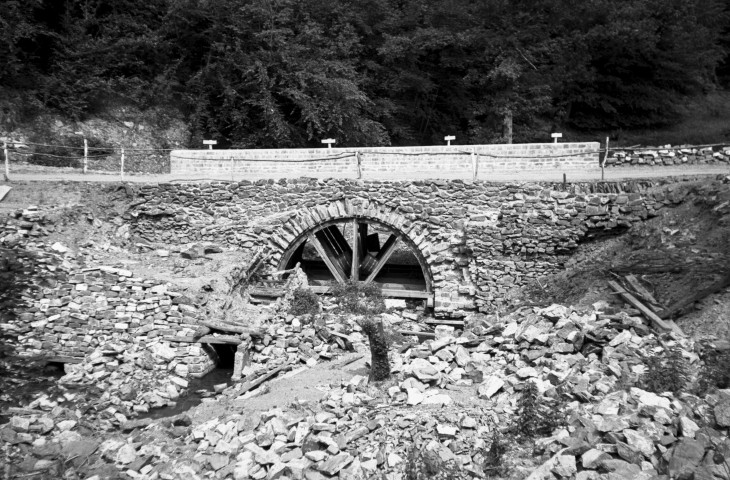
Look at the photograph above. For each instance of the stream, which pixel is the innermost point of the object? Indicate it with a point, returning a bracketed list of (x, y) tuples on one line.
[(198, 389)]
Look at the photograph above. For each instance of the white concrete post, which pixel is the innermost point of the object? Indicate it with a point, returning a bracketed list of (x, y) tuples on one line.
[(474, 165), (7, 161), (122, 165)]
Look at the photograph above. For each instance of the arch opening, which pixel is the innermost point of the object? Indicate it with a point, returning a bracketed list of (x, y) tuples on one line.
[(360, 249)]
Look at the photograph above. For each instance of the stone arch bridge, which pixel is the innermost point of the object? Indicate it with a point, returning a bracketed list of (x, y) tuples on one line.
[(460, 245)]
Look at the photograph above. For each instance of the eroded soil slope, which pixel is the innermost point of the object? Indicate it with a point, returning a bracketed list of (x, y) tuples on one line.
[(682, 257)]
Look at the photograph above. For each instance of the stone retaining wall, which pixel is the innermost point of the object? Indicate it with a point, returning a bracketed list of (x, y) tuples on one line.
[(669, 155), (96, 307), (479, 239), (468, 161)]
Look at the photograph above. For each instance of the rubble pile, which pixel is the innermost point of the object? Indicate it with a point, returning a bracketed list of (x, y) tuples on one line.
[(668, 155), (449, 398)]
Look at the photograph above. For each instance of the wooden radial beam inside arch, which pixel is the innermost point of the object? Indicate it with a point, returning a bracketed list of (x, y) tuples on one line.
[(362, 258)]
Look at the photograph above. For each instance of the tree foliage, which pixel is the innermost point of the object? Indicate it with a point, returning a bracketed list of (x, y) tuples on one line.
[(286, 73)]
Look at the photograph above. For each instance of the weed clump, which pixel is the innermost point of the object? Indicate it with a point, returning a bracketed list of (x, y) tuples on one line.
[(666, 372), (304, 302)]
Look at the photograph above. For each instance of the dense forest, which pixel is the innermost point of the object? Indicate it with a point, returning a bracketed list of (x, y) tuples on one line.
[(286, 73)]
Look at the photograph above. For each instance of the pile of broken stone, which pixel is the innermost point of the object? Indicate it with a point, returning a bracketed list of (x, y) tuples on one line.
[(450, 397)]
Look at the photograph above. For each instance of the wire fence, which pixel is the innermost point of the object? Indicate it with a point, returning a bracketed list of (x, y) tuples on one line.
[(34, 157)]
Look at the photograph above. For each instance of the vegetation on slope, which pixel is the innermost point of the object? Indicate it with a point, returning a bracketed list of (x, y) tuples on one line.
[(287, 73)]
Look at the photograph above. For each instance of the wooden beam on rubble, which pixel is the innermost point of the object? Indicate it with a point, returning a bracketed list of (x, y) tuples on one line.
[(213, 340), (695, 296), (250, 385), (651, 316), (232, 328), (387, 292), (643, 294)]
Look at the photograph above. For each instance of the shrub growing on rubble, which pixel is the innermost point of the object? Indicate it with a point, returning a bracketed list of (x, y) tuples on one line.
[(358, 298), (427, 465), (493, 463), (715, 373), (304, 302), (534, 415), (666, 372)]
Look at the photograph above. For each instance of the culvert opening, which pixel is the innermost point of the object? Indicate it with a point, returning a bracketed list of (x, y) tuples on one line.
[(226, 355), (54, 368)]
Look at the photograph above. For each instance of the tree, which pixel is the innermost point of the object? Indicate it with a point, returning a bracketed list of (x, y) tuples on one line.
[(272, 74), (642, 57)]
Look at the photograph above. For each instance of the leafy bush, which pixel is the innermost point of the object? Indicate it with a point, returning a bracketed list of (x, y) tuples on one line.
[(304, 302), (535, 416), (359, 298), (666, 372)]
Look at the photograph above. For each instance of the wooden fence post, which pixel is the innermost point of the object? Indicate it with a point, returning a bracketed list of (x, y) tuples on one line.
[(603, 164), (86, 155)]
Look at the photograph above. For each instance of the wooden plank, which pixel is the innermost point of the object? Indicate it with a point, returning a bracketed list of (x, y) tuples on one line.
[(267, 292), (453, 323), (64, 359), (334, 269), (250, 385), (384, 255), (355, 272), (363, 228), (213, 340), (229, 327), (341, 335), (23, 411), (387, 292), (419, 334), (643, 293), (333, 240), (655, 320)]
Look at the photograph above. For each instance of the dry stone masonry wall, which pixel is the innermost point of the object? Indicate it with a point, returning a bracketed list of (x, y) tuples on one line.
[(669, 155), (479, 239)]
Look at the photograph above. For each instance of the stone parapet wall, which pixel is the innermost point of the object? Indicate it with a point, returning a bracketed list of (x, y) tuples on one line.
[(479, 239), (668, 156), (468, 161)]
